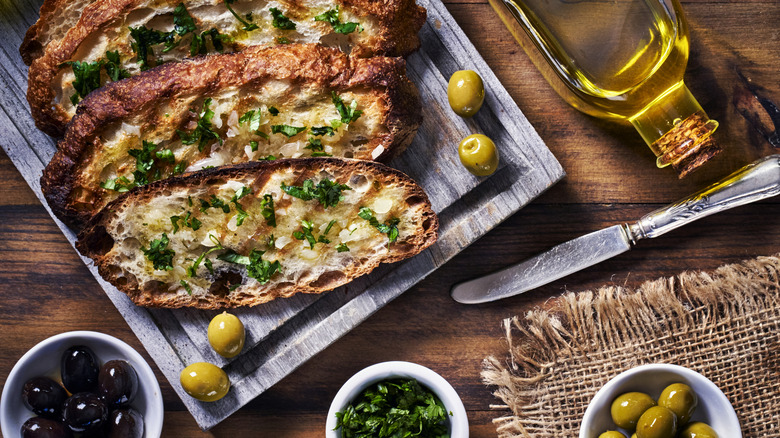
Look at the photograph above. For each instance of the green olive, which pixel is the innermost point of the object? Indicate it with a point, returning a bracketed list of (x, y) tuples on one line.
[(478, 154), (465, 92), (205, 381), (612, 434), (698, 430), (657, 422), (226, 334), (627, 408), (680, 399)]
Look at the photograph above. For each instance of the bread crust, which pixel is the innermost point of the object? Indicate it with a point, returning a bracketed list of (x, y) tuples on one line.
[(55, 17), (97, 240), (381, 79), (396, 35)]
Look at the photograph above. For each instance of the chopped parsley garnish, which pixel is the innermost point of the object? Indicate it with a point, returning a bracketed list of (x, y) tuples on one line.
[(161, 258), (273, 110), (317, 149), (214, 202), (348, 114), (146, 160), (267, 158), (180, 167), (253, 144), (394, 408), (306, 233), (390, 228), (120, 184), (289, 131), (322, 130), (242, 214), (248, 25), (187, 221), (186, 286), (182, 21), (342, 247), (203, 132), (193, 269), (113, 67), (280, 21), (282, 40), (332, 17), (267, 204), (145, 38), (87, 78), (252, 117), (326, 191), (257, 268), (183, 24)]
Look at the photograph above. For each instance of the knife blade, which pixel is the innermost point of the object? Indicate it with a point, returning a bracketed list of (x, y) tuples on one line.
[(756, 181)]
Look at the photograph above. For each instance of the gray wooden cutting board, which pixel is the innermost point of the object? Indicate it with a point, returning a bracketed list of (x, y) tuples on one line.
[(284, 334)]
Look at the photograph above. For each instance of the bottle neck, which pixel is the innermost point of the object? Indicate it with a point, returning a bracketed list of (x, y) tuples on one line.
[(677, 130)]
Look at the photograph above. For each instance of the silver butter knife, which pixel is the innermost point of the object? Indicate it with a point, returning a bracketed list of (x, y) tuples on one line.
[(756, 181)]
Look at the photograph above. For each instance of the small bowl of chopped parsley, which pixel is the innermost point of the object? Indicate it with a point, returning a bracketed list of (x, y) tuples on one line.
[(397, 399)]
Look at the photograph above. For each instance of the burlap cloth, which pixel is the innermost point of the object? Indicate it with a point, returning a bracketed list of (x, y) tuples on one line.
[(724, 324)]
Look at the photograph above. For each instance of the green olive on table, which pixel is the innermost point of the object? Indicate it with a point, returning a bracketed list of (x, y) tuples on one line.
[(612, 434), (204, 381), (466, 92), (627, 408), (478, 154), (657, 422), (698, 430), (680, 399), (226, 334)]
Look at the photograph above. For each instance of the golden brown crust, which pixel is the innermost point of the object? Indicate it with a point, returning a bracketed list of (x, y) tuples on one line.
[(97, 242), (396, 35), (327, 69), (55, 18)]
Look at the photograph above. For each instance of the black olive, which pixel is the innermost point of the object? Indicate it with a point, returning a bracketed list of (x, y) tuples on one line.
[(44, 396), (84, 411), (117, 383), (79, 369), (126, 423), (40, 427)]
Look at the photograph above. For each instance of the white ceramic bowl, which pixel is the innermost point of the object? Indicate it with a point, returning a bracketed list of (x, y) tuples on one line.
[(714, 408), (458, 422), (44, 360)]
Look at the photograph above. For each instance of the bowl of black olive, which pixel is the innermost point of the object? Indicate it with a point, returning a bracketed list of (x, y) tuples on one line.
[(81, 384)]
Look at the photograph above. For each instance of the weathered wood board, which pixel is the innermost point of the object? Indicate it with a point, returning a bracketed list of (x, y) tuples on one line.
[(284, 334)]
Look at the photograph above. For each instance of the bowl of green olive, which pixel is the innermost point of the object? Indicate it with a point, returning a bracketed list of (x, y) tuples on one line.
[(660, 401)]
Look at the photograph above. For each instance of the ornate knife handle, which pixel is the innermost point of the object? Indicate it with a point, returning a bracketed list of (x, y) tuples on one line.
[(754, 182)]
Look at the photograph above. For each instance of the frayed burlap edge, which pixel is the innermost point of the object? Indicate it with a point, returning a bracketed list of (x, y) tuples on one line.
[(724, 324)]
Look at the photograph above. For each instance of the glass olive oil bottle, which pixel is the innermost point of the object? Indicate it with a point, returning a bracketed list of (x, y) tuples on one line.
[(621, 60)]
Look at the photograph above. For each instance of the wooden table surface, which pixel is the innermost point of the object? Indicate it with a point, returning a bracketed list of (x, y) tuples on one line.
[(45, 289)]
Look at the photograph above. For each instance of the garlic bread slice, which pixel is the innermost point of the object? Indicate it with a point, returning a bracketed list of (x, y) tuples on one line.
[(246, 234), (290, 101), (115, 39)]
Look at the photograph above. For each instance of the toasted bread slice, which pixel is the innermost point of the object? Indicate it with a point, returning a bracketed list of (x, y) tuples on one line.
[(214, 239), (56, 18), (148, 120), (119, 38)]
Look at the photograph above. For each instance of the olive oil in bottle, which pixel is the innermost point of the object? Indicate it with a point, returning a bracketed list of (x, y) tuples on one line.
[(621, 60)]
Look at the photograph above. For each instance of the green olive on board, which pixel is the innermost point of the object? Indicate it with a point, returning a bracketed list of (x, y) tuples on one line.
[(627, 408), (205, 381), (478, 154), (698, 430), (612, 434), (466, 92), (657, 422), (680, 399), (226, 334)]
